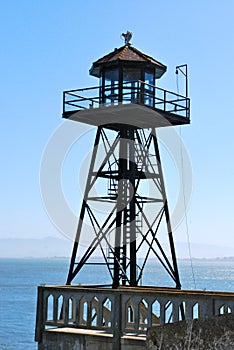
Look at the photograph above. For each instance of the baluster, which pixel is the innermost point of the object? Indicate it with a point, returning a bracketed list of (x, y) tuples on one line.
[(136, 306), (175, 310), (162, 313), (65, 308), (149, 314), (189, 310), (55, 308)]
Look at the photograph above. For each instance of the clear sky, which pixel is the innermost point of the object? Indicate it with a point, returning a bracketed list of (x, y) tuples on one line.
[(49, 46)]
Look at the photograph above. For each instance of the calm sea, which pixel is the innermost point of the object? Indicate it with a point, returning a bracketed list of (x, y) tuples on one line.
[(19, 279)]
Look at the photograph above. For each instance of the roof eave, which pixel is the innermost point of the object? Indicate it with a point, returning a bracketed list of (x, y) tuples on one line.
[(95, 70)]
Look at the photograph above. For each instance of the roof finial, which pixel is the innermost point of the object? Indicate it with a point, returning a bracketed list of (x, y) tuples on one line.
[(127, 37)]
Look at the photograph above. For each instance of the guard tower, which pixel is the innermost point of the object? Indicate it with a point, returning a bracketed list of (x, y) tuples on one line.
[(124, 216), (127, 107)]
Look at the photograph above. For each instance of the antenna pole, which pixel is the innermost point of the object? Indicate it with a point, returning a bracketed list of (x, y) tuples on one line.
[(181, 68)]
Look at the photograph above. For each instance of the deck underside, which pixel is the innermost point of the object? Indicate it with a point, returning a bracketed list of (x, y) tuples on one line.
[(139, 116)]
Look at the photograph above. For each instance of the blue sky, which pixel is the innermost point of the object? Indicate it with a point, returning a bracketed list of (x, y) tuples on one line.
[(48, 47)]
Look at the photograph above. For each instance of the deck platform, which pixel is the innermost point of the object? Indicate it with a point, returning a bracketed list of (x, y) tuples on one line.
[(144, 106), (139, 116)]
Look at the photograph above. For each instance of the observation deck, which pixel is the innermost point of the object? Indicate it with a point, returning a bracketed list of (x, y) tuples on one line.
[(139, 104)]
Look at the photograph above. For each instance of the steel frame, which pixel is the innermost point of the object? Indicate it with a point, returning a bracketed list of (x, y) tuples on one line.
[(130, 160)]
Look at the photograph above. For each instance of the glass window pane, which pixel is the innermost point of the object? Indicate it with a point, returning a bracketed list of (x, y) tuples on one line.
[(131, 74), (149, 78), (149, 89), (111, 76), (112, 86)]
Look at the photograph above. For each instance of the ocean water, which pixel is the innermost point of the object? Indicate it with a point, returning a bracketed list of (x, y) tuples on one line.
[(19, 279)]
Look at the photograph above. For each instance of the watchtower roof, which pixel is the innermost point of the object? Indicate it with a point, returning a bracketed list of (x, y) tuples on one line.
[(127, 54)]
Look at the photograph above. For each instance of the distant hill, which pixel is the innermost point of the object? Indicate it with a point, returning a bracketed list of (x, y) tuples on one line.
[(36, 248), (60, 247), (200, 251)]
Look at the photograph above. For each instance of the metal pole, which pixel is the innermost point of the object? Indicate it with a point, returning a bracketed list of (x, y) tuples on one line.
[(186, 76), (179, 68), (117, 322), (132, 208), (121, 206)]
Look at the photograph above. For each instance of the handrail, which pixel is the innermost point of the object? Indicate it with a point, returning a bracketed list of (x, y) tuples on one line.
[(142, 93), (125, 83), (83, 89)]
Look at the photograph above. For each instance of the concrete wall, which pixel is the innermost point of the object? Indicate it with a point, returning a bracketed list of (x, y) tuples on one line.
[(215, 333), (83, 339)]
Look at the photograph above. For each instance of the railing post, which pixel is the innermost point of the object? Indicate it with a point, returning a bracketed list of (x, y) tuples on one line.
[(164, 100), (63, 101), (162, 312), (207, 308), (149, 314), (65, 308), (189, 310), (100, 312), (89, 311), (188, 108), (138, 92), (40, 315), (117, 321), (136, 306), (55, 308), (175, 311), (142, 93)]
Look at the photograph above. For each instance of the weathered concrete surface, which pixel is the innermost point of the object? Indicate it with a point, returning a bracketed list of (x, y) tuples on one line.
[(83, 339), (215, 333)]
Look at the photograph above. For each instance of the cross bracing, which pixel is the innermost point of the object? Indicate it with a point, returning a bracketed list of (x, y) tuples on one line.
[(125, 207)]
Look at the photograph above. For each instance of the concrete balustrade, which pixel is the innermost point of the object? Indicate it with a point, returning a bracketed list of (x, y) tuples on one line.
[(125, 310)]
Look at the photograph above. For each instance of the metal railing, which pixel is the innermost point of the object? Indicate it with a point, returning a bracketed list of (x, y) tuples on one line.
[(124, 310), (137, 92)]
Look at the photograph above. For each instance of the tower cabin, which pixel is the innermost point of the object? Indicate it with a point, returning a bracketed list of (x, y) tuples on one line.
[(127, 94)]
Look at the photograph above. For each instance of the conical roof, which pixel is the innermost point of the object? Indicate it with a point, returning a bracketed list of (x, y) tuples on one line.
[(130, 56)]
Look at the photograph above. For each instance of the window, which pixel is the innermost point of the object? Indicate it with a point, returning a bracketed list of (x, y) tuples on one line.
[(111, 86)]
